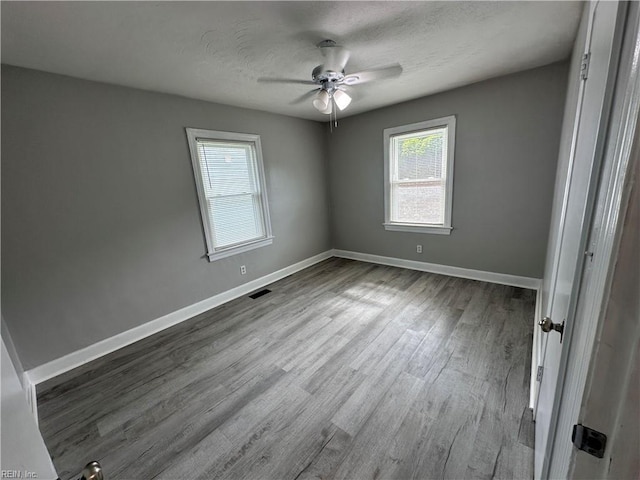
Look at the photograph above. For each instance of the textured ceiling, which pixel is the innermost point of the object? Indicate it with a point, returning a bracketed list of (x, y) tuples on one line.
[(216, 51)]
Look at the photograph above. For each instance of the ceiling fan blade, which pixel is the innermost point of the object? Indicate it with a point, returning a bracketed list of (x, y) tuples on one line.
[(335, 57), (372, 74), (285, 80), (305, 96)]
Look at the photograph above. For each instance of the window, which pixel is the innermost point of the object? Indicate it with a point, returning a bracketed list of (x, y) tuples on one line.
[(231, 189), (419, 176)]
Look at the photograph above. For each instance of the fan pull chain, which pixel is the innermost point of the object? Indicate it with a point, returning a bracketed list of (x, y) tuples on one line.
[(332, 112), (334, 109)]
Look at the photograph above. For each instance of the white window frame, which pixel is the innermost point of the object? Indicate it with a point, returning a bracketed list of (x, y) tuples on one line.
[(213, 252), (441, 229)]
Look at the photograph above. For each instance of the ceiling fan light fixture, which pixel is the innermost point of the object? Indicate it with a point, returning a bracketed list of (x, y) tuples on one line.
[(331, 81), (323, 102), (328, 110), (342, 99)]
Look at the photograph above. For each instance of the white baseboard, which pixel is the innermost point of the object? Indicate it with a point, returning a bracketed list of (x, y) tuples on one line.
[(491, 277), (80, 357), (75, 359)]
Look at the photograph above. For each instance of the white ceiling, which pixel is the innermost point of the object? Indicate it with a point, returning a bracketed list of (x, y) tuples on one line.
[(216, 51)]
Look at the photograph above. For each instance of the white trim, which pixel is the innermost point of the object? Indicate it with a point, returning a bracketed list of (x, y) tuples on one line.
[(245, 247), (75, 359), (415, 228), (535, 354), (491, 277), (31, 394), (450, 123), (213, 253)]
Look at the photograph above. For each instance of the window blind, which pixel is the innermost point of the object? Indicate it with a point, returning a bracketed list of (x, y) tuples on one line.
[(418, 177), (232, 191)]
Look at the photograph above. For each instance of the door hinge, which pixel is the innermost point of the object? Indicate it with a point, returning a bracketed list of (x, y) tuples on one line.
[(539, 373), (584, 66), (589, 440)]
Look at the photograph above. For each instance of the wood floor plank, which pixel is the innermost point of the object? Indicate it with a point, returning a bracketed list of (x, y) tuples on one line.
[(446, 450), (201, 457), (369, 448), (146, 455), (264, 410), (177, 389), (291, 445), (527, 430), (345, 370), (329, 459), (403, 459), (490, 440), (515, 461), (434, 342), (364, 400)]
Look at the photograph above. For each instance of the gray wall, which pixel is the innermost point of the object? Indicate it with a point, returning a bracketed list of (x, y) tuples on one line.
[(100, 223), (507, 138), (101, 230)]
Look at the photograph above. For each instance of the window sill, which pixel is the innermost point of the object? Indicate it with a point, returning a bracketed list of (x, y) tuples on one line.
[(245, 247), (412, 227)]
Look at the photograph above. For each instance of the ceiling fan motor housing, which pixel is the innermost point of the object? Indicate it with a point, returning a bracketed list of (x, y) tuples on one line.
[(327, 79)]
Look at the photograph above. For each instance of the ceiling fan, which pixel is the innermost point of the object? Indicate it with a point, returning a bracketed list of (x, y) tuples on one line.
[(332, 82)]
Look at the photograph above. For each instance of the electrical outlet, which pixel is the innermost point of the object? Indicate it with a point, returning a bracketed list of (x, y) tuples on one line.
[(419, 248), (243, 269)]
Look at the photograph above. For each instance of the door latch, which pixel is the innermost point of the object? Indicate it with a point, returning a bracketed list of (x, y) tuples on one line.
[(589, 440)]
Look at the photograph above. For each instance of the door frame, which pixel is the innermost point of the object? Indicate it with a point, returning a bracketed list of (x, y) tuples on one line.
[(605, 209), (604, 232), (596, 37)]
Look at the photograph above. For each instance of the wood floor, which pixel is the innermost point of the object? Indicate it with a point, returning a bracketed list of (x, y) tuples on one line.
[(345, 370)]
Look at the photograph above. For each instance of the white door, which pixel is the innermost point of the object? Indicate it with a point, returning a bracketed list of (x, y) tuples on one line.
[(588, 100), (23, 451)]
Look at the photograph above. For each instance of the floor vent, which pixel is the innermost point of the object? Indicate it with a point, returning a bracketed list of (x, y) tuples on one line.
[(260, 293)]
